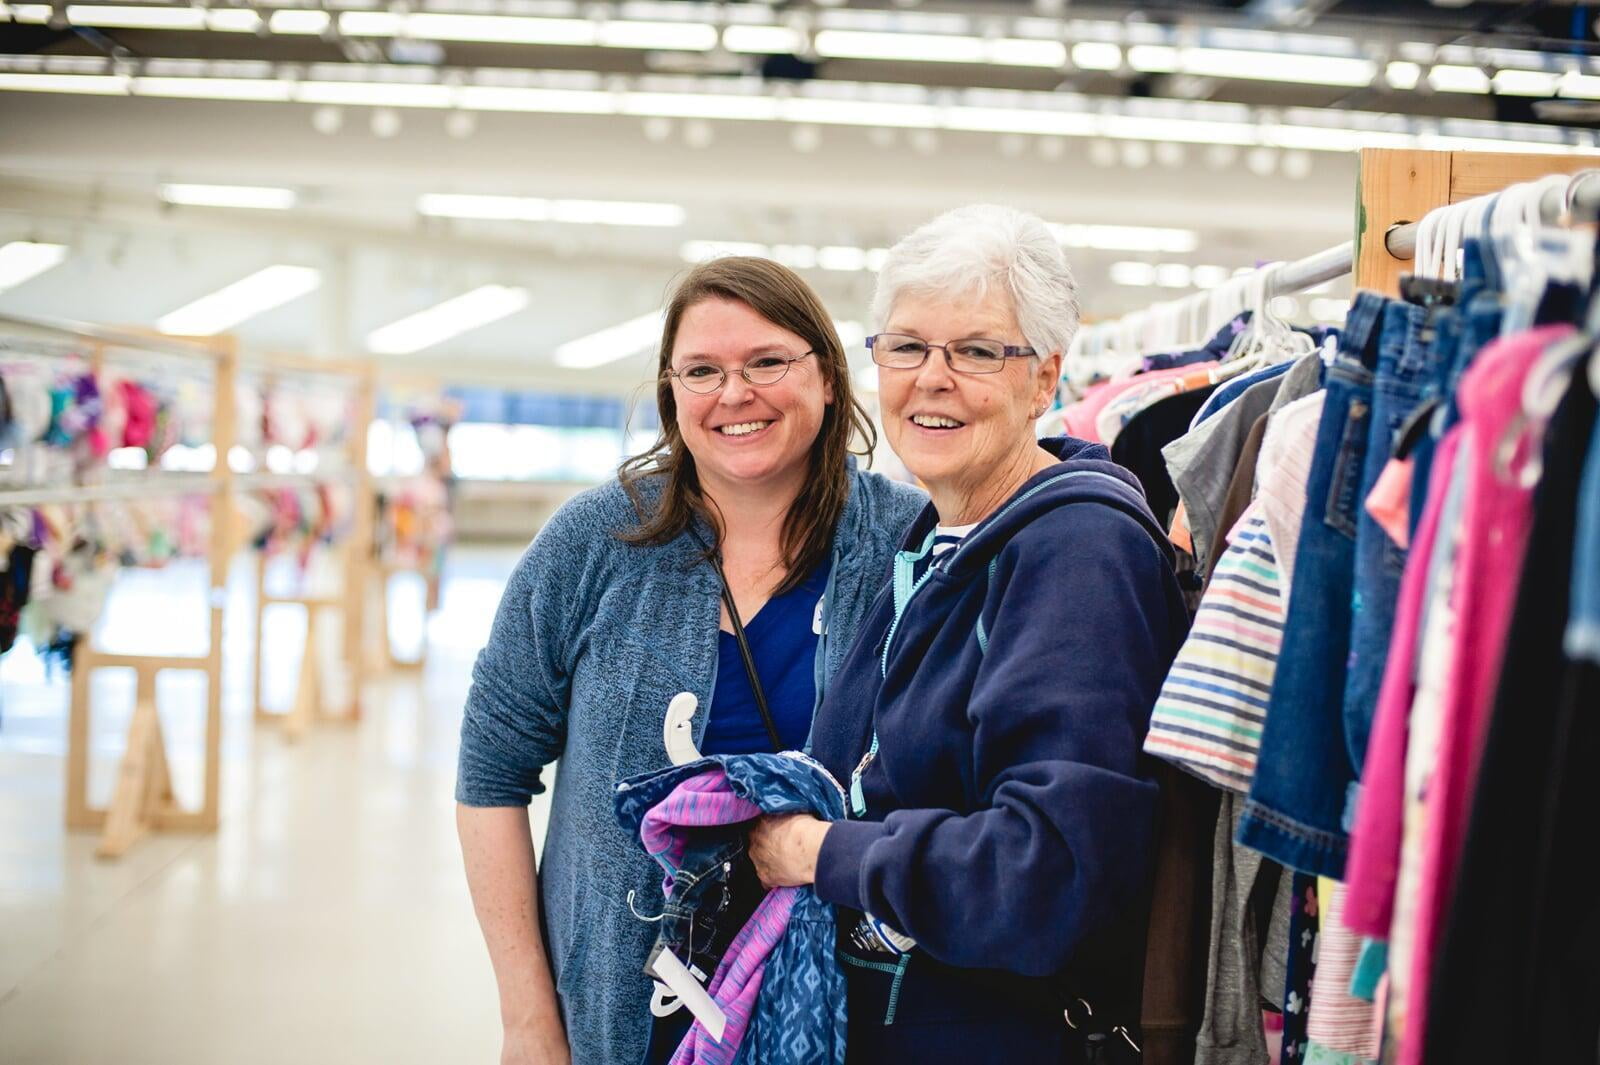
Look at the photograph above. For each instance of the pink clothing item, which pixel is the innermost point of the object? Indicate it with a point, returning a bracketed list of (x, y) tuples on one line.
[(1079, 419), (707, 799), (1373, 867), (1338, 1020), (1389, 502), (1495, 522)]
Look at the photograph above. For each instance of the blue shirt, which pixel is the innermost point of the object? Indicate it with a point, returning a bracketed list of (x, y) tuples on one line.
[(783, 642)]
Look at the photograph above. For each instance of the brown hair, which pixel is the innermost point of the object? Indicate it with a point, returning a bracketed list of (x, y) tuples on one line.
[(780, 296)]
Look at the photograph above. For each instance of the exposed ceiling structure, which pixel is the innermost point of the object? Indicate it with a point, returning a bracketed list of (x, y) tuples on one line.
[(548, 165)]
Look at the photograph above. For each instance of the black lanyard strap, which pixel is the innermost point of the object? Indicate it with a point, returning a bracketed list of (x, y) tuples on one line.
[(749, 659)]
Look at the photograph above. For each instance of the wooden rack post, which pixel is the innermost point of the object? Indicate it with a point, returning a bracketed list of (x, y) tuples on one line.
[(1396, 186), (352, 554), (142, 799)]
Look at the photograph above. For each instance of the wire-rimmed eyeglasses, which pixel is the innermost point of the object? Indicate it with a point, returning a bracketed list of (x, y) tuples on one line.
[(899, 351), (706, 377)]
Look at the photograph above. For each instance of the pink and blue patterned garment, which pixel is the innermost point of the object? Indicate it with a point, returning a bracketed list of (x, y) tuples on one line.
[(778, 981)]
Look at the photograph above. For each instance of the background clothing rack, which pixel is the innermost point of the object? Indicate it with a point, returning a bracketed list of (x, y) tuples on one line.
[(142, 798)]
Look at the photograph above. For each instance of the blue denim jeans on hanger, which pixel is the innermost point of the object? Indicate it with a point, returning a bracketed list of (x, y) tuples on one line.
[(1410, 355), (1295, 810), (1472, 323)]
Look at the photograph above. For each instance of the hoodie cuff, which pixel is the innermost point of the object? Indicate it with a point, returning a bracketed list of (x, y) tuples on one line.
[(839, 861)]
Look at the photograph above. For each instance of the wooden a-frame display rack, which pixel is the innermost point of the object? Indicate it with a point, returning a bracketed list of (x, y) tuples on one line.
[(142, 799), (354, 562)]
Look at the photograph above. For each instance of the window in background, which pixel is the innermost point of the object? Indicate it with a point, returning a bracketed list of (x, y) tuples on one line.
[(392, 449)]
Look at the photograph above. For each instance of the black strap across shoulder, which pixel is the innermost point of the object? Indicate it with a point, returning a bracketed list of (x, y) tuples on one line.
[(749, 659), (715, 558)]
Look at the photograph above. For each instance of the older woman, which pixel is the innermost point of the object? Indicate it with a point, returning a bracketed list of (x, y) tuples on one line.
[(747, 507), (993, 876)]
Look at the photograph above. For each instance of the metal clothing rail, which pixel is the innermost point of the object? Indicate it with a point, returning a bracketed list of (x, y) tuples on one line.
[(1581, 195)]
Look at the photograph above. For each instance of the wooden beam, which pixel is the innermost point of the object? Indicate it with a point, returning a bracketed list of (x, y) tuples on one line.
[(1394, 186), (1475, 174)]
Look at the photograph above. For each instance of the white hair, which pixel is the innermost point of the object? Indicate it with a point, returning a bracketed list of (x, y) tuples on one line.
[(966, 251)]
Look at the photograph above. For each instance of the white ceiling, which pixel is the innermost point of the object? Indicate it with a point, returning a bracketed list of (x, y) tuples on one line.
[(84, 171)]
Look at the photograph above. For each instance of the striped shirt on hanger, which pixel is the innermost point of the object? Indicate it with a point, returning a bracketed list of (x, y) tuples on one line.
[(1209, 715)]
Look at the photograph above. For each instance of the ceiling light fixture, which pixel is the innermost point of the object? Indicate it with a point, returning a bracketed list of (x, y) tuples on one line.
[(922, 112), (762, 40), (252, 197), (1127, 238), (1096, 55), (22, 260), (1133, 274), (1402, 75), (1449, 78), (460, 314), (526, 209), (611, 344), (242, 300)]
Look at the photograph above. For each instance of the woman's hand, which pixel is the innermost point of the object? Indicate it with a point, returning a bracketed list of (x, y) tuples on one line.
[(784, 849)]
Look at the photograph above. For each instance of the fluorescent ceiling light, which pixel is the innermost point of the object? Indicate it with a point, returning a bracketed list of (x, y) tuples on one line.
[(656, 36), (1096, 55), (21, 260), (1135, 275), (1127, 238), (298, 22), (137, 18), (619, 341), (1020, 120), (488, 303), (858, 113), (842, 258), (1277, 66), (1208, 276), (374, 94), (267, 90), (761, 40), (1019, 52), (795, 256), (233, 20), (525, 209), (88, 84), (699, 251), (493, 29), (1448, 78), (922, 47), (31, 14), (938, 48), (1173, 275), (1526, 82), (256, 197), (1580, 86), (246, 298), (1402, 75), (1153, 59), (699, 105), (536, 101)]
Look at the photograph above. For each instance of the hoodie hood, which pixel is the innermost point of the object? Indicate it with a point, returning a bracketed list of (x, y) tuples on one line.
[(1084, 474)]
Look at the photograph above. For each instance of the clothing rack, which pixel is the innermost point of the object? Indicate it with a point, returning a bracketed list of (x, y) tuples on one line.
[(353, 555), (1396, 188), (143, 799), (382, 658)]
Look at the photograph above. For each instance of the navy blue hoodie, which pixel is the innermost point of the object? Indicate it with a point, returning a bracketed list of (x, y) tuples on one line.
[(1009, 812)]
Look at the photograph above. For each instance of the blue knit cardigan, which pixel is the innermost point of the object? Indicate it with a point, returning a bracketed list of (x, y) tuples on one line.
[(592, 639)]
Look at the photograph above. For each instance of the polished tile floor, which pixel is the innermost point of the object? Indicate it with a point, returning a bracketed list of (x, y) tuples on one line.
[(327, 921)]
